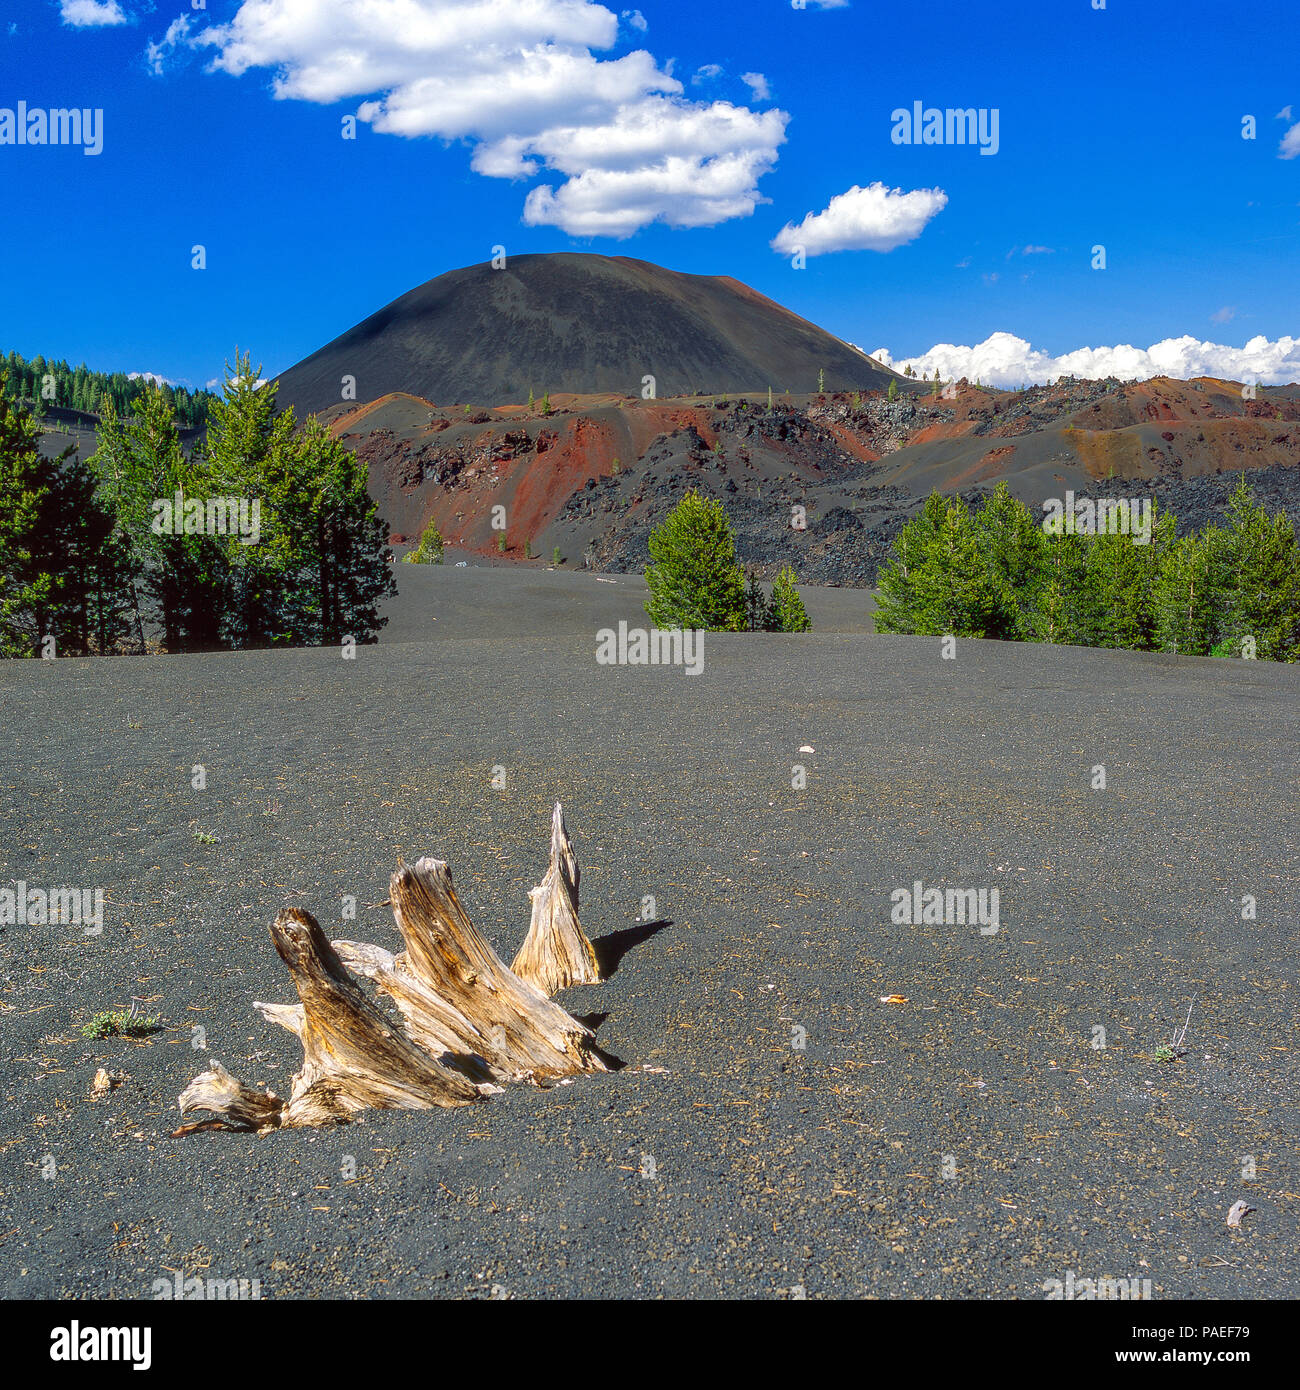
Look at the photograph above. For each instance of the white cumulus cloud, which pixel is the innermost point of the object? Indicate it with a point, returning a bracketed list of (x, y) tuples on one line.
[(91, 14), (1002, 359), (1290, 146), (521, 81), (874, 218), (757, 85), (660, 160)]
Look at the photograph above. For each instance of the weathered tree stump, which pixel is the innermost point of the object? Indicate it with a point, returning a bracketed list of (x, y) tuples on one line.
[(353, 1057), (470, 1021), (531, 1036), (437, 1027), (556, 952), (232, 1104)]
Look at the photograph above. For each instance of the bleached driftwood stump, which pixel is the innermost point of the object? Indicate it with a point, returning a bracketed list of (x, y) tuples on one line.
[(556, 952), (470, 1021)]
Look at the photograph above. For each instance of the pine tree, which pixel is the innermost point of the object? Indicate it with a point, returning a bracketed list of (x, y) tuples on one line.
[(937, 581), (429, 550), (61, 569), (1015, 550), (249, 456), (898, 602), (340, 556), (1063, 613), (1188, 600), (757, 607), (892, 393), (1119, 584), (28, 590), (694, 580), (787, 612), (183, 577), (1260, 579)]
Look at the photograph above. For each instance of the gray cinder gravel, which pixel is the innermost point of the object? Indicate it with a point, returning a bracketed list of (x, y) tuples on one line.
[(777, 1130)]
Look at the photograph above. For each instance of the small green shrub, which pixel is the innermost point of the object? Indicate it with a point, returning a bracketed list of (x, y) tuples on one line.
[(120, 1023), (429, 551)]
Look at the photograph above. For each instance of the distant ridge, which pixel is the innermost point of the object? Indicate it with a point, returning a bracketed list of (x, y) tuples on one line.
[(586, 324)]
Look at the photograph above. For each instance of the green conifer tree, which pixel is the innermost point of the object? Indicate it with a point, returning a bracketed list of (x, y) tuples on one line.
[(693, 578), (787, 612), (62, 571), (1188, 600), (757, 607), (1259, 576), (1015, 551), (429, 550)]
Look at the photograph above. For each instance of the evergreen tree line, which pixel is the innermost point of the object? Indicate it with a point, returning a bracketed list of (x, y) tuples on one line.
[(1229, 590), (78, 388), (695, 580), (89, 560)]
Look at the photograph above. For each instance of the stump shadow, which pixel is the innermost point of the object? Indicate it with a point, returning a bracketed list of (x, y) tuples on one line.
[(611, 949)]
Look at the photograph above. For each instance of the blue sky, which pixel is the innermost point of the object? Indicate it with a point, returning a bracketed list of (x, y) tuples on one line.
[(1119, 127)]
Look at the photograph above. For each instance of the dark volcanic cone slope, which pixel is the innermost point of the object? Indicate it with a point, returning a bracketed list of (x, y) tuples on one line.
[(576, 323)]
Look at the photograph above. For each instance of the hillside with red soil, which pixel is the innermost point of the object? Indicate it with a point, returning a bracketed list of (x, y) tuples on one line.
[(593, 474)]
